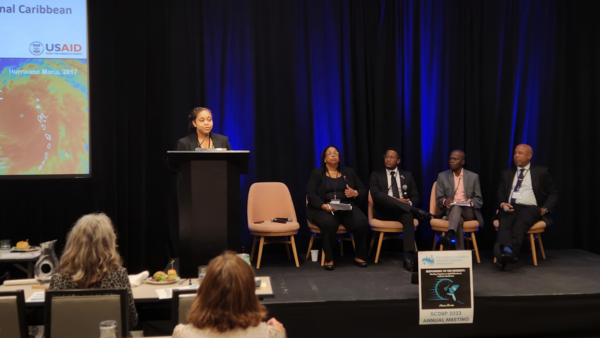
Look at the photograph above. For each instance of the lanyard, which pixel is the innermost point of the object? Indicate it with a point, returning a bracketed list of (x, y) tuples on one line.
[(457, 184), (521, 179), (334, 184)]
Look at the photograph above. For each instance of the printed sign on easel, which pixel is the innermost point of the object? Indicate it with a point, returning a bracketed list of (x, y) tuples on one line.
[(445, 287)]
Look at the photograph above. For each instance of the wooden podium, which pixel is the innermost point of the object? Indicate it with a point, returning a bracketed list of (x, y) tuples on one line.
[(208, 189)]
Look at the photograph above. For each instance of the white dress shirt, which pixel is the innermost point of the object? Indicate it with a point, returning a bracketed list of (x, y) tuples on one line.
[(398, 182), (526, 189)]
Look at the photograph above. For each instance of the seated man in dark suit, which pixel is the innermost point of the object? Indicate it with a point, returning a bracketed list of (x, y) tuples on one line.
[(395, 198), (458, 185), (526, 195)]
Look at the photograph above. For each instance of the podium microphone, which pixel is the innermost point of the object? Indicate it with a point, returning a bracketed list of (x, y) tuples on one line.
[(205, 136)]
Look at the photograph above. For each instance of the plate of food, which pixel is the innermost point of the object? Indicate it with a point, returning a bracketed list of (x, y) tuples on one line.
[(24, 246), (160, 277)]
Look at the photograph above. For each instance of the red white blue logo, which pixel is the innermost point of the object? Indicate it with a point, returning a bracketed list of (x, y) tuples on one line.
[(36, 48)]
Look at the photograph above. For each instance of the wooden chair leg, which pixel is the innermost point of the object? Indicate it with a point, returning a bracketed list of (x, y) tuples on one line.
[(294, 250), (539, 237), (416, 250), (312, 239), (495, 259), (372, 241), (341, 247), (353, 244), (379, 247), (532, 241), (253, 249), (441, 246), (260, 249), (435, 236), (467, 242), (322, 257), (475, 246)]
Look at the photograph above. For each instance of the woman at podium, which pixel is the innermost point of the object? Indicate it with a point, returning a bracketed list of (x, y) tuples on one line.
[(200, 127), (327, 187)]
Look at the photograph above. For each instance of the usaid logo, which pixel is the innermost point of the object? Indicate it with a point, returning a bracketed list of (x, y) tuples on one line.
[(36, 48)]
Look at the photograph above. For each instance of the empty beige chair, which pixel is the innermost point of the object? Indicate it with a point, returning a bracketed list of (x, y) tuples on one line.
[(383, 227), (13, 318), (181, 303), (78, 313), (266, 201), (441, 226), (534, 233)]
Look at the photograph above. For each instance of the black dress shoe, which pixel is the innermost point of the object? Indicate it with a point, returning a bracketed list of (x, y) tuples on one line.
[(408, 266), (421, 214), (361, 264), (328, 267), (509, 257), (445, 241)]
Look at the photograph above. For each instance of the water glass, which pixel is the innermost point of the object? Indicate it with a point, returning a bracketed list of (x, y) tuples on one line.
[(201, 272), (5, 244), (108, 329), (245, 257)]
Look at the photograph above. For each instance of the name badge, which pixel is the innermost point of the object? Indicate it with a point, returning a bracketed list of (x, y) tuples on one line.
[(335, 202), (516, 195)]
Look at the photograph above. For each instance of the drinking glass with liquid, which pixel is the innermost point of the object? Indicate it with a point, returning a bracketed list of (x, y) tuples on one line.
[(108, 329), (201, 272)]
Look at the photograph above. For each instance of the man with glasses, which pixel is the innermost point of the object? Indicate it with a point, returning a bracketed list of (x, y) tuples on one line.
[(395, 198), (458, 194)]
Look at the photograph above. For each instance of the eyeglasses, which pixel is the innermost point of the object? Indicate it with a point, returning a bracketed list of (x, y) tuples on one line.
[(390, 157), (334, 153)]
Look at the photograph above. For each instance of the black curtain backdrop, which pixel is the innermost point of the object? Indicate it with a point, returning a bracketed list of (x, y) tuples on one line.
[(284, 79)]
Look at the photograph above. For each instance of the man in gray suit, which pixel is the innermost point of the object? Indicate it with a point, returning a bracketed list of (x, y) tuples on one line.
[(454, 186)]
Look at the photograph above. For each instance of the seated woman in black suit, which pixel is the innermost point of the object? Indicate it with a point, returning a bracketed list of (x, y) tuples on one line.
[(200, 127), (334, 182)]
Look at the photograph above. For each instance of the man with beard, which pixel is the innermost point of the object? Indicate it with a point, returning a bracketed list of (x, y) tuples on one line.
[(395, 198)]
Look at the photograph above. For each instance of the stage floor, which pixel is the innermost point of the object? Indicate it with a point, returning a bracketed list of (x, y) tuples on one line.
[(558, 298), (563, 272)]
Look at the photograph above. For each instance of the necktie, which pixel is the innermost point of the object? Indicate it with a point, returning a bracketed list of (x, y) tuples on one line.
[(517, 187), (395, 191)]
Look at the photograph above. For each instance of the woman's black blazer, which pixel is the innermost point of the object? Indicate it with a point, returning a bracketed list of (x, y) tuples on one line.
[(315, 190), (190, 142)]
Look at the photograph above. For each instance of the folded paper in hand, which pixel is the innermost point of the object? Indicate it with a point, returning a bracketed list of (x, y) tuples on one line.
[(466, 203)]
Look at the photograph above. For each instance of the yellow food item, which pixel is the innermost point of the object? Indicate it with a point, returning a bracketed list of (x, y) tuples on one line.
[(23, 244), (172, 275)]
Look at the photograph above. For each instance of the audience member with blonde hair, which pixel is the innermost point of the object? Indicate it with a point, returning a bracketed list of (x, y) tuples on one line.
[(226, 304), (90, 260)]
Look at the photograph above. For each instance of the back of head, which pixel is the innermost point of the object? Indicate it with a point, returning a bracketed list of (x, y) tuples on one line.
[(226, 299), (91, 251)]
